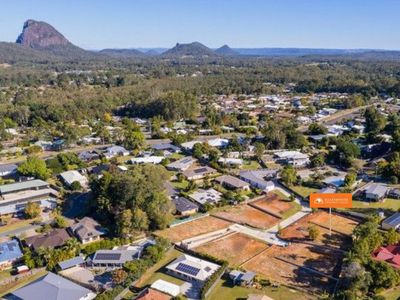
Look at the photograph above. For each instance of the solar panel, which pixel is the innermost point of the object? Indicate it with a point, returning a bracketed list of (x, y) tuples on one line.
[(187, 269), (201, 170), (108, 256)]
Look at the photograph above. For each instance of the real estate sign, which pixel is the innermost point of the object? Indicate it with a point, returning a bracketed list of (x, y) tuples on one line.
[(335, 200)]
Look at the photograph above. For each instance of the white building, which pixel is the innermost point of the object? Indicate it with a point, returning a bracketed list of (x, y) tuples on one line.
[(147, 160), (293, 158), (70, 177), (202, 197)]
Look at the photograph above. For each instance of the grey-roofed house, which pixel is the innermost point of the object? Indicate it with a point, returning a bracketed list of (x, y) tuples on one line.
[(88, 155), (166, 148), (8, 169), (190, 268), (375, 192), (10, 253), (199, 173), (113, 151), (51, 287), (392, 222), (260, 179), (209, 196), (232, 182), (181, 164), (53, 239), (184, 206), (69, 177), (113, 258), (15, 196), (87, 230), (70, 263), (242, 278)]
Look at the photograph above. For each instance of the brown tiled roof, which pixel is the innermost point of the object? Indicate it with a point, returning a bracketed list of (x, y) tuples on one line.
[(52, 239), (150, 294)]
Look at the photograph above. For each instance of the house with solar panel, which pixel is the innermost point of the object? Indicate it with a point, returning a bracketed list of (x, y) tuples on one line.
[(199, 173), (113, 259), (190, 268), (181, 164), (10, 253)]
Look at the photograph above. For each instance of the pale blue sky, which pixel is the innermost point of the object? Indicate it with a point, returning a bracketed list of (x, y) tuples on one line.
[(95, 24)]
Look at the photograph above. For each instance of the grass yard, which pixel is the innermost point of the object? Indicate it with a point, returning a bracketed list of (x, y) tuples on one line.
[(180, 185), (5, 274), (155, 272), (388, 203), (17, 225), (280, 194), (225, 290), (304, 191), (290, 212), (392, 294), (251, 165)]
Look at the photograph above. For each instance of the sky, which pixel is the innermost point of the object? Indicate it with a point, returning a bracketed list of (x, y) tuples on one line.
[(98, 24)]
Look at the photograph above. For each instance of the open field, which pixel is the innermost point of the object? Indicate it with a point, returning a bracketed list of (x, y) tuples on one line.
[(273, 203), (246, 215), (304, 191), (225, 290), (193, 228), (388, 203), (284, 265), (236, 248)]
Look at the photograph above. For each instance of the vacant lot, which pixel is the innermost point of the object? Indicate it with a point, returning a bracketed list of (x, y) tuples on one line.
[(236, 248), (292, 265), (193, 228), (276, 205), (246, 215)]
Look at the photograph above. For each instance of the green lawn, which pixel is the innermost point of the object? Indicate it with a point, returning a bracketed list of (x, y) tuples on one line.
[(388, 203), (304, 191), (251, 165), (180, 185), (5, 274), (176, 156), (224, 290), (392, 294), (156, 271), (280, 194), (17, 225)]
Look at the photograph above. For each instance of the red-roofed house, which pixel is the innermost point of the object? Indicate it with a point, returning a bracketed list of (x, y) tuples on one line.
[(389, 254)]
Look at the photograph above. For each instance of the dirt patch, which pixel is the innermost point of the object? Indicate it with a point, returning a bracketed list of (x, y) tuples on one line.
[(236, 248), (285, 265), (246, 215), (193, 228), (273, 203)]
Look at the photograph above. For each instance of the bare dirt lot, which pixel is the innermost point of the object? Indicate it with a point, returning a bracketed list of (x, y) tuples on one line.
[(340, 237), (246, 215), (273, 203), (193, 228), (236, 248), (291, 265)]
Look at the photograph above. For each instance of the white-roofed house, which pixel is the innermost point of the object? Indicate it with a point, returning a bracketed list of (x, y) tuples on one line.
[(70, 177), (166, 287), (202, 197), (190, 268), (181, 164), (147, 160), (115, 151), (293, 158)]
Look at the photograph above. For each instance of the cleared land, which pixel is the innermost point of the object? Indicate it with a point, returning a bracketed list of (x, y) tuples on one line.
[(278, 206), (246, 215), (193, 228), (236, 248), (288, 266)]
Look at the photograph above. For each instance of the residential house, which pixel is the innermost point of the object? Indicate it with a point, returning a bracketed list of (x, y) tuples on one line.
[(147, 160), (112, 259), (182, 164), (199, 173), (293, 158), (53, 239), (260, 179), (10, 253), (88, 156), (190, 268), (232, 182), (87, 230), (376, 192), (202, 197), (392, 222), (166, 148), (188, 146), (185, 207), (15, 196), (51, 287), (114, 151), (389, 254), (69, 177), (8, 170), (218, 142)]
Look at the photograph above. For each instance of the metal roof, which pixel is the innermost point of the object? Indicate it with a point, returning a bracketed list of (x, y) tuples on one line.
[(69, 263), (10, 250), (17, 186)]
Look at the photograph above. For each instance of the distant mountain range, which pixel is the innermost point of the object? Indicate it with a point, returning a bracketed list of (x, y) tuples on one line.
[(41, 42)]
